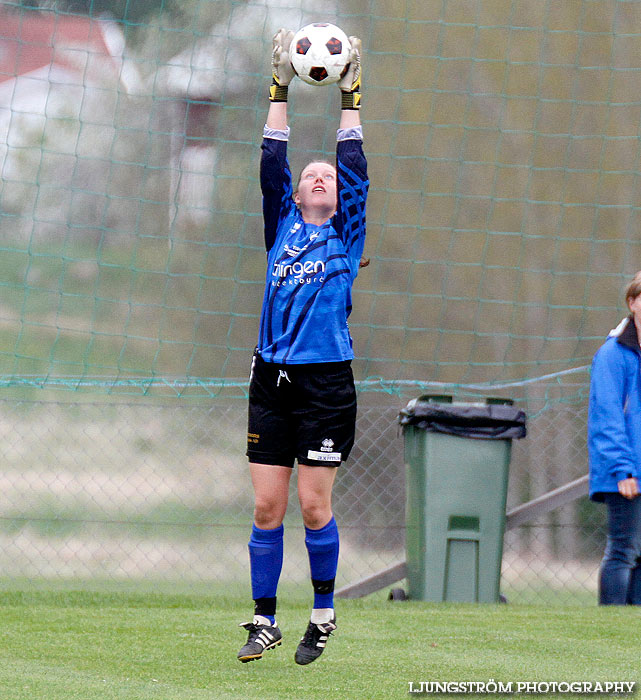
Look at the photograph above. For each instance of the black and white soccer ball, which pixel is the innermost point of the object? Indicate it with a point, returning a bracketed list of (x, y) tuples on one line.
[(320, 53)]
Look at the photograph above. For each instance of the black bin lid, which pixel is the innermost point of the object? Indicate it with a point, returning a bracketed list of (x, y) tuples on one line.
[(496, 419)]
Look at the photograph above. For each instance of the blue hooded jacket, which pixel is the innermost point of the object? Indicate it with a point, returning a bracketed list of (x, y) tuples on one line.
[(614, 417)]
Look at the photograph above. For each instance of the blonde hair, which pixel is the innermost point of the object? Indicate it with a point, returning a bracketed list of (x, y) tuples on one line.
[(364, 262), (320, 160), (633, 288)]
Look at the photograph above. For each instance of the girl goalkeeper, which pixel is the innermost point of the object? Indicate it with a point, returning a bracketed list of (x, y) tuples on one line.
[(302, 400)]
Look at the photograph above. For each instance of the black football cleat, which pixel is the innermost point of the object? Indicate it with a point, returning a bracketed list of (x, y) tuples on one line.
[(260, 639), (312, 645)]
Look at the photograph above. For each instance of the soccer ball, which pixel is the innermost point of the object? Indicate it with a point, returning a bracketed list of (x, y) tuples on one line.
[(320, 53)]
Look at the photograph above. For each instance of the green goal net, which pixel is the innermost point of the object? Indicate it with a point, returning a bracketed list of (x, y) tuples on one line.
[(504, 153)]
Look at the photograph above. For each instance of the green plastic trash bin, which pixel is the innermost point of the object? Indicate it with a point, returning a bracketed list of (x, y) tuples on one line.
[(457, 458)]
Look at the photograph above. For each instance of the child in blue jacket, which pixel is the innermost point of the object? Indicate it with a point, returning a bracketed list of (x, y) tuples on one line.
[(614, 445)]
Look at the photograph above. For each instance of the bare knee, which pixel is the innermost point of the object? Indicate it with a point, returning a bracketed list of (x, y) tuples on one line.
[(316, 514), (271, 491), (269, 512)]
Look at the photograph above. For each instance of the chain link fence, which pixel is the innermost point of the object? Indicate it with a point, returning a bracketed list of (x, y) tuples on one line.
[(113, 494)]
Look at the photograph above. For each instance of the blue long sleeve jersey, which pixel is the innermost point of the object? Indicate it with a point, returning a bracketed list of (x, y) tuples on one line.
[(310, 269)]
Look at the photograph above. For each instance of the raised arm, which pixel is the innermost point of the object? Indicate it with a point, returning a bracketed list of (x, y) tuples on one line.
[(350, 118), (275, 176), (277, 116), (351, 164)]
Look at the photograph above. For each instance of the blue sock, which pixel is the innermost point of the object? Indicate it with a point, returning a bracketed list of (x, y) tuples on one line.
[(266, 563), (322, 546)]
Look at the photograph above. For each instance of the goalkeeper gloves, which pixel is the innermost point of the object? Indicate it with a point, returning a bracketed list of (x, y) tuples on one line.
[(282, 71), (350, 83)]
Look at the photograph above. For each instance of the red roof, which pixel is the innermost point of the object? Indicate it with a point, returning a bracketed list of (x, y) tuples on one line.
[(30, 40)]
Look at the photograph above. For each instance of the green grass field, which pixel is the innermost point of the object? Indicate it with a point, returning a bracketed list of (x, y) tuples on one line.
[(67, 645)]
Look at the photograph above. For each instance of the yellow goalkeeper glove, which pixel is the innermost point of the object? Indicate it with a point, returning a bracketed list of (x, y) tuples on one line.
[(282, 70), (350, 83)]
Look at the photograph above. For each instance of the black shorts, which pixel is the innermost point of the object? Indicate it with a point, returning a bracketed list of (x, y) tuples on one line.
[(301, 412)]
